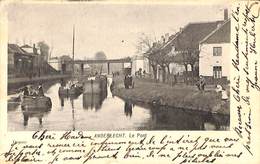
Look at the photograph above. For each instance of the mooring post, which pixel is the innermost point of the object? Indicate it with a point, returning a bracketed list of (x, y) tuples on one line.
[(108, 68)]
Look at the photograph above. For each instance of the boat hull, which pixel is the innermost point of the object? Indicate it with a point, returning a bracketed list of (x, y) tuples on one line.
[(38, 102), (95, 86)]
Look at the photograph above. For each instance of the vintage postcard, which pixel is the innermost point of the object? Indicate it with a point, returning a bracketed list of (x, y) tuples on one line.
[(129, 82)]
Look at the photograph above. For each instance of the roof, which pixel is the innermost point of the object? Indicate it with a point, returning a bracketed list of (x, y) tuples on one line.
[(26, 46), (192, 34), (220, 34), (171, 38), (65, 58), (14, 48), (138, 57)]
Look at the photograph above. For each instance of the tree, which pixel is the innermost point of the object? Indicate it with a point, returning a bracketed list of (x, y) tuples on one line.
[(100, 56), (44, 50), (147, 46), (188, 56), (43, 58)]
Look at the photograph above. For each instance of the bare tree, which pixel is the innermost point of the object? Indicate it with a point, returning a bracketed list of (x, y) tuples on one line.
[(188, 56), (147, 46), (43, 58), (100, 55), (44, 50)]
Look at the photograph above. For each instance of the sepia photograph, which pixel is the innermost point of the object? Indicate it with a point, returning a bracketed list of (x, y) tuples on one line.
[(118, 67)]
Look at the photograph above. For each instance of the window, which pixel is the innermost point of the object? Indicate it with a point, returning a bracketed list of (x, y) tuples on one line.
[(217, 72), (217, 51)]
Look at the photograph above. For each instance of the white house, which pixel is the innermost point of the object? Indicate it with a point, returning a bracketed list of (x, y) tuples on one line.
[(139, 61), (214, 57)]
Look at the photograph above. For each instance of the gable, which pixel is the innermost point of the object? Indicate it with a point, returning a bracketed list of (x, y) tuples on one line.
[(192, 34), (220, 35)]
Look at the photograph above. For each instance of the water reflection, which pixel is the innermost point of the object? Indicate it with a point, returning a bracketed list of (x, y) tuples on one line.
[(38, 113), (86, 111), (180, 119), (71, 98), (128, 108), (93, 101)]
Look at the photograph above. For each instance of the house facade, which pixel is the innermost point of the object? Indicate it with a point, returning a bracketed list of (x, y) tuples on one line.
[(214, 57), (183, 47), (20, 63), (65, 64), (140, 62)]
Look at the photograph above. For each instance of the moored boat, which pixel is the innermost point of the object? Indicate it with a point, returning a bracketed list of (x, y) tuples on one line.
[(36, 102), (97, 85), (70, 91), (63, 90)]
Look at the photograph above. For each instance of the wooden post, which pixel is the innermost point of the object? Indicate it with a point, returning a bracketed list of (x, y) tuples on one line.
[(108, 68), (123, 67)]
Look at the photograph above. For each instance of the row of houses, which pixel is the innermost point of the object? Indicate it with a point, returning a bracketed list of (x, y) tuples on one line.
[(26, 61), (202, 48)]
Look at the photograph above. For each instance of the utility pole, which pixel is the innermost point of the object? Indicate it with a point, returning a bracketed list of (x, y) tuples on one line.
[(73, 42)]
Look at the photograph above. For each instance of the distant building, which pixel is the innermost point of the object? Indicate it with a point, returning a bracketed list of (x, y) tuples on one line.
[(140, 62), (20, 63), (38, 59), (29, 49), (65, 64), (185, 45), (54, 62), (214, 57)]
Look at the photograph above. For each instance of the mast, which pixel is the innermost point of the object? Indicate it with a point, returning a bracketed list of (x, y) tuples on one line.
[(73, 42)]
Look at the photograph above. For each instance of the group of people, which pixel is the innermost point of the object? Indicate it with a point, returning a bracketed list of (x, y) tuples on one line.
[(140, 73), (128, 81), (30, 91), (219, 89), (115, 73), (69, 84)]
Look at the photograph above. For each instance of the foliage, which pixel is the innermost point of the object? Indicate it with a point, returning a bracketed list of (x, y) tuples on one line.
[(100, 56), (44, 49)]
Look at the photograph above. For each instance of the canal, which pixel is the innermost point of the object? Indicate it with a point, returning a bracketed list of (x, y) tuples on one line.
[(106, 112)]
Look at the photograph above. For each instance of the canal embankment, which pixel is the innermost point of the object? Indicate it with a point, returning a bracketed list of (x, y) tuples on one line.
[(179, 96), (14, 83)]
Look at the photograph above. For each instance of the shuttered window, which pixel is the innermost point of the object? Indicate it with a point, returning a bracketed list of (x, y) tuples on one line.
[(217, 72), (217, 51)]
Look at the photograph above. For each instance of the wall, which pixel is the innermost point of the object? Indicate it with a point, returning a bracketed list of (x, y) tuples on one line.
[(115, 67), (140, 62), (207, 60), (10, 61)]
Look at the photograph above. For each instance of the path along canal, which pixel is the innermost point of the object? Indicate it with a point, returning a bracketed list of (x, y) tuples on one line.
[(106, 112)]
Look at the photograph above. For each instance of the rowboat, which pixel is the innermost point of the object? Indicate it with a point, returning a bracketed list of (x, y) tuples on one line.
[(63, 91), (36, 102)]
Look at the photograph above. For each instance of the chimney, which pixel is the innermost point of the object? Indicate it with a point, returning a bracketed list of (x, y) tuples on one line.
[(225, 14), (34, 49), (166, 37)]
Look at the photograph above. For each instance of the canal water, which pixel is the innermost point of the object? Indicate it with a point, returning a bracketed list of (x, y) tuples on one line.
[(107, 112)]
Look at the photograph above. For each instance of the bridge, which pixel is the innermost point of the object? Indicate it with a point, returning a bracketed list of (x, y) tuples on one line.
[(123, 60), (107, 61)]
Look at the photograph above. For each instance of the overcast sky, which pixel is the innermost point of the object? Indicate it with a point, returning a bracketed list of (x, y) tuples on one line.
[(112, 28)]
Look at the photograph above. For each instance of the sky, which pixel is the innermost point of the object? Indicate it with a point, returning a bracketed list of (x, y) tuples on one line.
[(111, 28)]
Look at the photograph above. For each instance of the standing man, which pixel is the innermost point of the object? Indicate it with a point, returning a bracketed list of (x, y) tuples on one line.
[(202, 83), (40, 90), (126, 81)]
